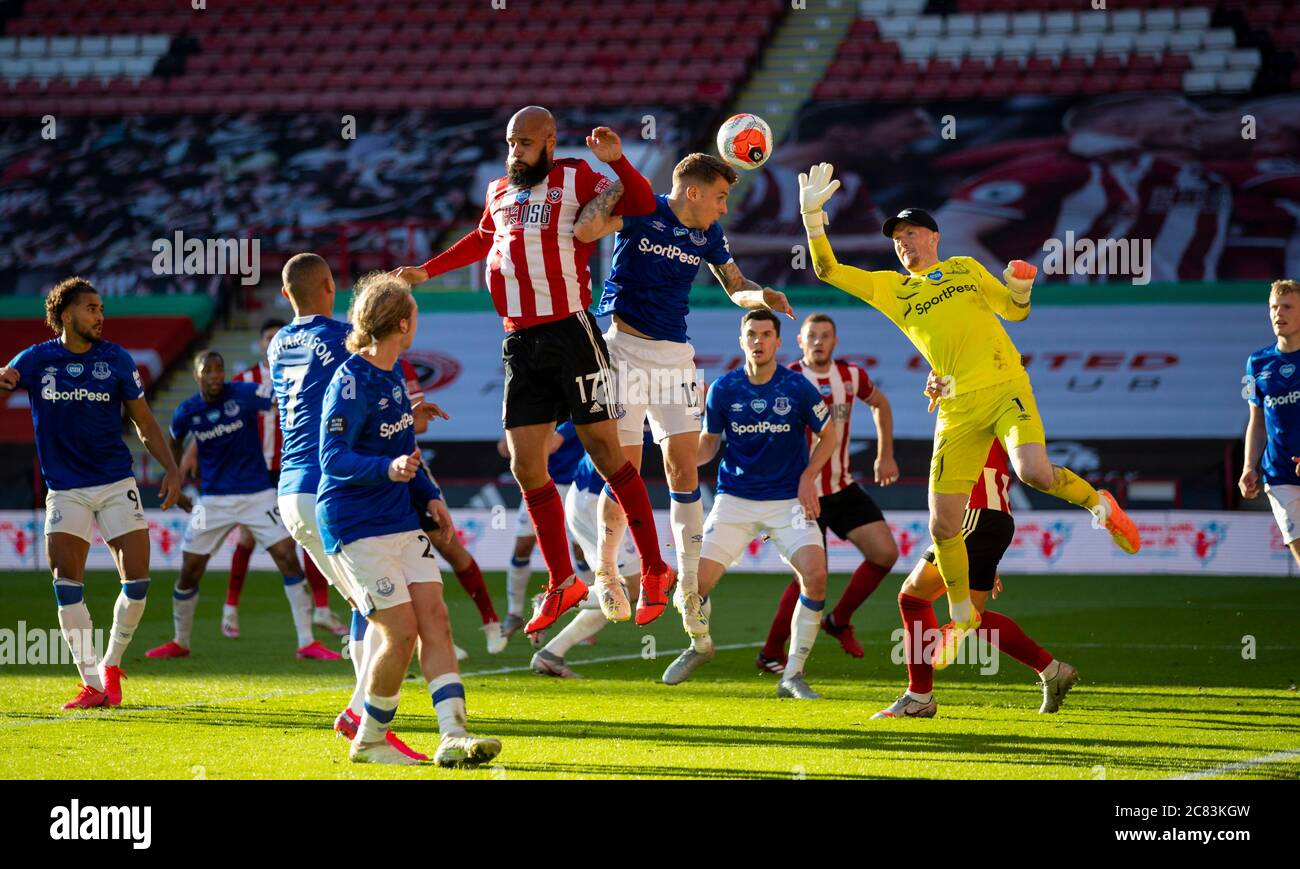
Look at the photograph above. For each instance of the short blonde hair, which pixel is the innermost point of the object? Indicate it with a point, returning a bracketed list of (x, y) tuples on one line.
[(1281, 288), (379, 304)]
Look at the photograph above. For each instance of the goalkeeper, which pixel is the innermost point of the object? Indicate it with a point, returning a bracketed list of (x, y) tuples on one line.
[(949, 310)]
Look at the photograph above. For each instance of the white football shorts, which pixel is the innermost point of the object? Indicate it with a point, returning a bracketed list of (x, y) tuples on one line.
[(733, 522), (379, 569), (655, 379), (215, 516), (581, 509), (114, 507), (1285, 500), (524, 522), (298, 512)]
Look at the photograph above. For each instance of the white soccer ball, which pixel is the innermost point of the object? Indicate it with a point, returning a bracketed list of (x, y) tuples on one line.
[(745, 141)]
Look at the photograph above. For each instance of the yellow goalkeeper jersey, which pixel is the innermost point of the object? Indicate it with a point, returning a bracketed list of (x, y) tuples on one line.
[(950, 313)]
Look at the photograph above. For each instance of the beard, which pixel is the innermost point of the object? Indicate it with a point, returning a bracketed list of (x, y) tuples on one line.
[(530, 176), (87, 334)]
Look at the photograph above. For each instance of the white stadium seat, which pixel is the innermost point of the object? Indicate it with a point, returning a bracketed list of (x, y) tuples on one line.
[(94, 46), (1210, 60), (1027, 22), (32, 46), (1017, 46), (896, 28), (984, 48), (1160, 19), (928, 25), (995, 23), (1236, 80), (138, 67), (1149, 42), (1244, 58), (1052, 45), (124, 46), (960, 25), (8, 47), (46, 67), (875, 8), (1185, 41), (15, 67), (154, 44), (110, 67), (63, 46), (1059, 22), (77, 68), (1118, 43), (1126, 20), (1198, 81), (1083, 44), (1093, 21), (1194, 18), (920, 48), (1219, 37)]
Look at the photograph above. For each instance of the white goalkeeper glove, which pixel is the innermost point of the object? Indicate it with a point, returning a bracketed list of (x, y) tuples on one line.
[(1019, 276), (815, 188)]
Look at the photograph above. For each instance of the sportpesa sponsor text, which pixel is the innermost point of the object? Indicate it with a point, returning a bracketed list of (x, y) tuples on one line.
[(670, 251)]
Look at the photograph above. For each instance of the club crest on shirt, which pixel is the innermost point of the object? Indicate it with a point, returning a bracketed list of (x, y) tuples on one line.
[(1287, 370), (101, 371), (758, 405), (384, 586), (781, 405), (397, 394), (698, 237), (214, 415), (555, 194), (195, 420), (55, 516), (75, 368), (231, 408)]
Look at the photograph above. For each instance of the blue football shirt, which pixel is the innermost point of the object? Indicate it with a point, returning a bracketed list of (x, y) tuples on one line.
[(656, 259), (1272, 382), (76, 401), (303, 357), (366, 422), (766, 446), (563, 463), (231, 461)]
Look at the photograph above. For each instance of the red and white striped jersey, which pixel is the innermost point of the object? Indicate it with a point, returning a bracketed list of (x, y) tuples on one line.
[(838, 386), (1180, 206), (537, 271), (268, 421), (1265, 239), (992, 489)]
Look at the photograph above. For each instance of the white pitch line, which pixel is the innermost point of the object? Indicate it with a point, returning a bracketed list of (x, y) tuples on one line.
[(501, 671), (1239, 765)]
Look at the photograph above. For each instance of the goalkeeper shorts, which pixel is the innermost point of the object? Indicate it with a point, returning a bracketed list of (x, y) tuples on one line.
[(968, 422)]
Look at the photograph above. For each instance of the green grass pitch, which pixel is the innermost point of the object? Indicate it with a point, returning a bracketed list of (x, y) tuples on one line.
[(1166, 690)]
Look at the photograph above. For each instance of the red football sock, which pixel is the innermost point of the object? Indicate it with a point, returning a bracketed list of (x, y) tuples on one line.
[(918, 624), (861, 585), (780, 630), (632, 496), (238, 570), (320, 587), (547, 512), (1012, 640), (471, 579)]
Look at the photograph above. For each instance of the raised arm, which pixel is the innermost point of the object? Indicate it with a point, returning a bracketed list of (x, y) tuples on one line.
[(746, 293), (1009, 301), (597, 218), (151, 435), (472, 247), (815, 189)]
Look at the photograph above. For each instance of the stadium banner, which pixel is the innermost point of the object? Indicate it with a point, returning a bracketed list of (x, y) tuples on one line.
[(1181, 542), (1099, 372)]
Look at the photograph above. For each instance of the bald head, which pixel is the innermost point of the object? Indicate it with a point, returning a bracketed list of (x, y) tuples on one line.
[(308, 284), (531, 139)]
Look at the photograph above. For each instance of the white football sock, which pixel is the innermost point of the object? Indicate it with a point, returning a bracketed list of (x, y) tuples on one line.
[(804, 626), (183, 605), (704, 643), (1049, 672), (686, 515), (368, 647), (126, 616), (920, 698), (448, 694), (611, 522), (300, 603), (356, 639), (587, 623), (517, 586), (377, 713), (583, 571), (960, 612), (78, 630)]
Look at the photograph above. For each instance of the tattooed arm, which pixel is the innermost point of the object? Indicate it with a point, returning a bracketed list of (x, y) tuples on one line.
[(596, 219), (747, 294)]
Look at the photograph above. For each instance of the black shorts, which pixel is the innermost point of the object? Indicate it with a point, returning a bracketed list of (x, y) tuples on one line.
[(849, 508), (557, 371), (988, 533)]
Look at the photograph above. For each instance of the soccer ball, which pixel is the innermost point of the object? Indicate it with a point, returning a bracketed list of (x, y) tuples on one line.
[(745, 141)]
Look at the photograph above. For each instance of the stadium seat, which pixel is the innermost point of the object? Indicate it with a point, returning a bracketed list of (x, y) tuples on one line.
[(1199, 81), (1093, 21), (1059, 22), (1126, 20)]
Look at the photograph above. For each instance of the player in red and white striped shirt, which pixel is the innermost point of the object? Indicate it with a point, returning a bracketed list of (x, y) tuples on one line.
[(988, 530), (556, 362), (268, 429), (846, 508)]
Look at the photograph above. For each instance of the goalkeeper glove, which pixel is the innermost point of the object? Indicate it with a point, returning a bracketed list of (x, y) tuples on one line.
[(815, 188), (1019, 276)]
